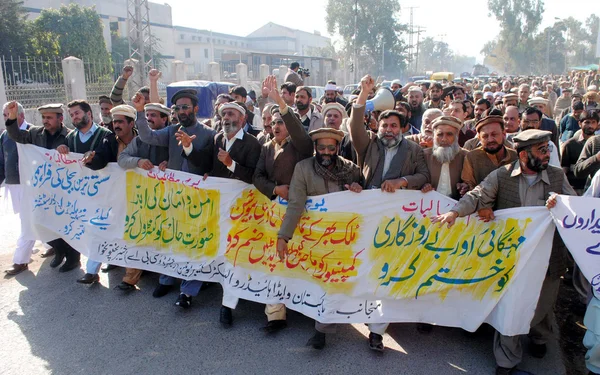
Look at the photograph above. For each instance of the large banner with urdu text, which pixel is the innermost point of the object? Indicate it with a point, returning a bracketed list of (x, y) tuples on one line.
[(355, 258)]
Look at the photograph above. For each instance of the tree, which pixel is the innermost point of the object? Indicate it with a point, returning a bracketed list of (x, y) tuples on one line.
[(70, 31), (13, 29), (519, 20), (377, 35)]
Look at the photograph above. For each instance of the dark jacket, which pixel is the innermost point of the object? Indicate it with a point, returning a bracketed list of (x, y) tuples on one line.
[(36, 135), (9, 159)]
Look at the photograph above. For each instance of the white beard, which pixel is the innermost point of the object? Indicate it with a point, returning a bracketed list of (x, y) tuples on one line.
[(445, 154)]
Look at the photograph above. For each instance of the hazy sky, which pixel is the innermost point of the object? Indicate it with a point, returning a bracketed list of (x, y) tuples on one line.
[(439, 17)]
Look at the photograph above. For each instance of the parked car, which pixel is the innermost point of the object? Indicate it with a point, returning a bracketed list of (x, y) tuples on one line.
[(348, 90), (317, 92)]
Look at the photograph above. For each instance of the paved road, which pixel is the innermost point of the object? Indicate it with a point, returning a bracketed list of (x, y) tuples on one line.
[(51, 324)]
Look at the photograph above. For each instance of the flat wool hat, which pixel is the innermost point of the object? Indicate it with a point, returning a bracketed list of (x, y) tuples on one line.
[(158, 107), (338, 135), (493, 119), (185, 93), (508, 97), (447, 120), (51, 108), (124, 110), (335, 105), (231, 105), (531, 137), (538, 100)]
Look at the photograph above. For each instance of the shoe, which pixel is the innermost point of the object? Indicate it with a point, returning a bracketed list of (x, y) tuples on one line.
[(511, 371), (107, 267), (16, 269), (274, 326), (69, 266), (537, 350), (225, 317), (424, 328), (376, 342), (184, 301), (48, 253), (89, 278), (125, 287), (161, 290), (317, 341), (58, 259)]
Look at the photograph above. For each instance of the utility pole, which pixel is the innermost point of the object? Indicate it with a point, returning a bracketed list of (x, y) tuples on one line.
[(548, 50), (419, 31), (140, 38), (410, 36), (355, 41)]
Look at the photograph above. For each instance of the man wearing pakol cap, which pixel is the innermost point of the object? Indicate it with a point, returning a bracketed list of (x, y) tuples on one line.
[(387, 160), (435, 96), (105, 106), (445, 158), (185, 105), (232, 154), (309, 115), (510, 100), (525, 182), (490, 155), (290, 144), (324, 173), (52, 134)]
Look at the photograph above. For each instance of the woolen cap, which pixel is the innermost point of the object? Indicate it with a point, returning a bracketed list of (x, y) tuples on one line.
[(124, 110), (231, 105), (531, 137), (335, 105), (326, 133), (538, 100), (185, 93), (493, 119), (51, 108), (158, 107), (447, 120), (511, 96)]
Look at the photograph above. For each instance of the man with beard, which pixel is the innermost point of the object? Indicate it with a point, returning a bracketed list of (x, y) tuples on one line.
[(458, 109), (481, 106), (532, 118), (273, 174), (331, 95), (51, 135), (215, 122), (232, 154), (425, 137), (310, 117), (435, 96), (113, 144), (445, 158), (589, 159), (490, 155), (415, 99), (185, 105), (525, 182), (506, 86), (86, 137), (546, 123), (571, 149), (323, 173), (387, 160), (105, 107)]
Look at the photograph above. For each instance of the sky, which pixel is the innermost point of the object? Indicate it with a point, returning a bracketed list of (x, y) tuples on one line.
[(241, 17)]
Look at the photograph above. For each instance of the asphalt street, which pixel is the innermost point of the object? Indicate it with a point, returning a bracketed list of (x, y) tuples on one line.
[(49, 324)]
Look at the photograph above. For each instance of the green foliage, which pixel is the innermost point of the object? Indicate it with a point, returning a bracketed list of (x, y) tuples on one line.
[(13, 28), (378, 33)]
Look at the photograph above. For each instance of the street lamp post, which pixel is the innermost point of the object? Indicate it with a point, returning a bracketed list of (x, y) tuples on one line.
[(566, 42)]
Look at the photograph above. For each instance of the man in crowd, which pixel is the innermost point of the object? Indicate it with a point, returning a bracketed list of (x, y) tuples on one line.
[(570, 123), (334, 114), (445, 158), (589, 159), (232, 154), (571, 149), (116, 95), (510, 100), (546, 123), (512, 122), (240, 95), (323, 173), (185, 106), (425, 137), (481, 106), (563, 102), (524, 182), (532, 118), (524, 92), (273, 174), (415, 100), (331, 95), (309, 116), (51, 135), (490, 155), (435, 96), (105, 107), (293, 76), (288, 93), (267, 133), (458, 109)]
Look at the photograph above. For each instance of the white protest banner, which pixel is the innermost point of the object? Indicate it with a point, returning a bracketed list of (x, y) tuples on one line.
[(355, 257), (577, 220)]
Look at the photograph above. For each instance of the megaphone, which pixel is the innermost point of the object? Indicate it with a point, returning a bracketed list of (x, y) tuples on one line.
[(383, 100)]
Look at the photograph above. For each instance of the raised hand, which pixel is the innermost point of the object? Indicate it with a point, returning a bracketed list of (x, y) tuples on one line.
[(127, 71), (138, 102), (154, 75)]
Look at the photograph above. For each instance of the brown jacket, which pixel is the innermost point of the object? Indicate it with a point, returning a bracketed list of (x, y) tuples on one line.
[(276, 163), (478, 164), (435, 168), (305, 183), (369, 150)]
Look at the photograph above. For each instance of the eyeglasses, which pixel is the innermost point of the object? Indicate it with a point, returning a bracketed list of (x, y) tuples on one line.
[(331, 148), (276, 122), (543, 150), (184, 107)]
